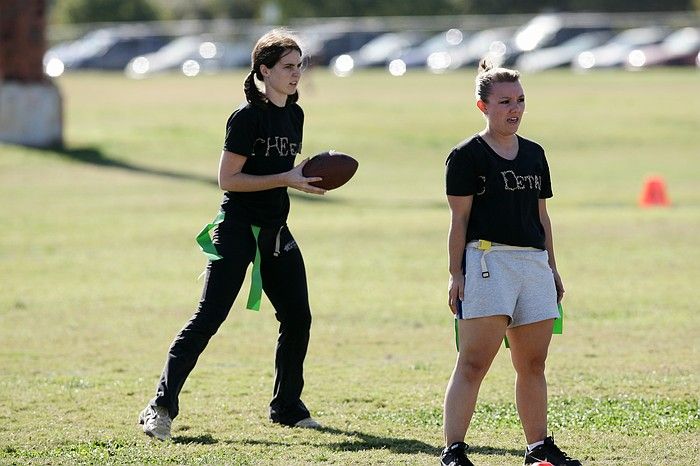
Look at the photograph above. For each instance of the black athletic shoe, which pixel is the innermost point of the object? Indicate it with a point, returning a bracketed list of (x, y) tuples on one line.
[(455, 455), (548, 451)]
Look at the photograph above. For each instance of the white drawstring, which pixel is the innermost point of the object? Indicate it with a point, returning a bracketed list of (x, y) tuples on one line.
[(488, 246), (277, 242)]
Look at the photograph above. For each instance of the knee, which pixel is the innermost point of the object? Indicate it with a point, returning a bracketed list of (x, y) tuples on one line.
[(533, 366), (205, 322), (298, 320), (472, 370), (304, 321)]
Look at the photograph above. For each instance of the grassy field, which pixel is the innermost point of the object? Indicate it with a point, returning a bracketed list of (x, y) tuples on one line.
[(99, 268)]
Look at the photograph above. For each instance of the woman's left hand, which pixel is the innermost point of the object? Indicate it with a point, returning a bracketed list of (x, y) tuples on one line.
[(295, 178), (559, 285)]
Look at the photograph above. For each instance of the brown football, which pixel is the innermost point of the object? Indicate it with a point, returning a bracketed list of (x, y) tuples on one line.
[(334, 167)]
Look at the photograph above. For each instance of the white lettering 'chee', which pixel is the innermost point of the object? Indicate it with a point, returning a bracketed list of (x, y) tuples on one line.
[(279, 146), (513, 182), (273, 143)]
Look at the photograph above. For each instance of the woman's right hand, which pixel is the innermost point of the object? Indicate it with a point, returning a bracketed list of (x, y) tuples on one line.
[(295, 179), (455, 291)]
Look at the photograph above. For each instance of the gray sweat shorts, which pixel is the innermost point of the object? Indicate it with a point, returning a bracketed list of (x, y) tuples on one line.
[(519, 285)]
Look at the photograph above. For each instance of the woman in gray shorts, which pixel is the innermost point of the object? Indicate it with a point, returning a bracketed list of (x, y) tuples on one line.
[(503, 275)]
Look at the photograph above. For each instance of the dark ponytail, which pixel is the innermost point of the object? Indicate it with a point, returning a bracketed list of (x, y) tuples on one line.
[(252, 93)]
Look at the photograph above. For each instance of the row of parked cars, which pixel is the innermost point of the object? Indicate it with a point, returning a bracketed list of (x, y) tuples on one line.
[(139, 53), (544, 42)]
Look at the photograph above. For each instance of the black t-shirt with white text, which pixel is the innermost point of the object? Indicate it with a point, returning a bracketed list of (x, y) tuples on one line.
[(506, 192), (270, 137)]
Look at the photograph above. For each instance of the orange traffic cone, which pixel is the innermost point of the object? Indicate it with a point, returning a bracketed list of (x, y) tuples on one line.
[(654, 193)]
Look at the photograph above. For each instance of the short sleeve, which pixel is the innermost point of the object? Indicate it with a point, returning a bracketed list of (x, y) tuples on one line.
[(460, 174), (240, 136), (546, 188)]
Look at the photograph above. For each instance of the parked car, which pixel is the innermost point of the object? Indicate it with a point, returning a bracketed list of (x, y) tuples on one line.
[(377, 52), (616, 51), (471, 50), (106, 49), (321, 44), (678, 49), (191, 55), (117, 54), (444, 42), (561, 55), (543, 31)]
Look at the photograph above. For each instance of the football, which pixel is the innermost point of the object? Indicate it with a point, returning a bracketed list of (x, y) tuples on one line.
[(334, 167)]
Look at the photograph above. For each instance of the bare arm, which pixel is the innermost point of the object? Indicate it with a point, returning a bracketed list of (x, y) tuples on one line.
[(460, 207), (549, 246), (232, 179)]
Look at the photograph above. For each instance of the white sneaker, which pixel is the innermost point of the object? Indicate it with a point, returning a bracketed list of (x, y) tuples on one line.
[(156, 422), (308, 423)]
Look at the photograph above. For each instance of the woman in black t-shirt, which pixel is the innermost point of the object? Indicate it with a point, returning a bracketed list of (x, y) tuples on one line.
[(262, 140), (503, 275)]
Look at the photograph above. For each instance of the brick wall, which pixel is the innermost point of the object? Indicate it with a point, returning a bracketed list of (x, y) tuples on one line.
[(22, 43)]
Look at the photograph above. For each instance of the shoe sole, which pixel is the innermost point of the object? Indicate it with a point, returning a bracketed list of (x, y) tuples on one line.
[(308, 424), (152, 435), (142, 421)]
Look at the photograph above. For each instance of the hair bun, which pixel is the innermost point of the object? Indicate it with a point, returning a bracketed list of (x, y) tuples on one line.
[(485, 65)]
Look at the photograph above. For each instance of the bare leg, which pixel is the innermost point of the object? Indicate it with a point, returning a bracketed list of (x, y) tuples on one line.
[(479, 340), (529, 345)]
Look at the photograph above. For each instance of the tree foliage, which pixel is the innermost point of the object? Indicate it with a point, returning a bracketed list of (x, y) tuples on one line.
[(329, 8), (209, 9), (78, 11), (88, 11), (306, 8)]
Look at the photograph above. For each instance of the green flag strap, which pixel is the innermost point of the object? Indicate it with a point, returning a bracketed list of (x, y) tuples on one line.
[(255, 294), (204, 238), (557, 329), (209, 249)]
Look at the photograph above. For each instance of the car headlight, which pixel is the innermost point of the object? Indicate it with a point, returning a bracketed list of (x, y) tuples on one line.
[(397, 67), (54, 67), (636, 58), (343, 65), (190, 68), (586, 60), (438, 62)]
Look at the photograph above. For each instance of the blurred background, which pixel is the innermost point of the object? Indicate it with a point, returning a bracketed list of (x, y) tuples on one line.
[(143, 37)]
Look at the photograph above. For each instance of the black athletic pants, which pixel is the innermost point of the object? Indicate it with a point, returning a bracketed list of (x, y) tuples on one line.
[(284, 282)]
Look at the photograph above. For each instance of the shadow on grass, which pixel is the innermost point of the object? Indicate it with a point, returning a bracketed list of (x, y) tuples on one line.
[(365, 441), (94, 156), (496, 451), (398, 445), (362, 441), (205, 439)]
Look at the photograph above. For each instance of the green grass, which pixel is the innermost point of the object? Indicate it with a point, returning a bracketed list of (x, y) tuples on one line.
[(99, 268)]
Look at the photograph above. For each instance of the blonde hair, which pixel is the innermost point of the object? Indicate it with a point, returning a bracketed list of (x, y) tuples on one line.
[(488, 75)]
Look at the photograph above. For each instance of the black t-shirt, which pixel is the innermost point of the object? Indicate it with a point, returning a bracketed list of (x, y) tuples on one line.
[(506, 192), (270, 137)]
